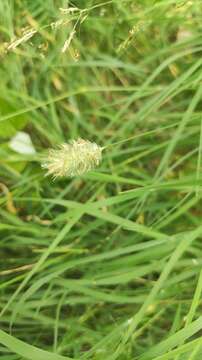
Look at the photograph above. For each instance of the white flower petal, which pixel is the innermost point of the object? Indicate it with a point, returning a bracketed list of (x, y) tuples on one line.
[(22, 143)]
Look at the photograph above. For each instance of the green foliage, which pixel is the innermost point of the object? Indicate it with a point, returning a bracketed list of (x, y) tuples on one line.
[(9, 127), (106, 265)]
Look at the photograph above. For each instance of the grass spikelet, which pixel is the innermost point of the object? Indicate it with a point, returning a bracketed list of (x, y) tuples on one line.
[(26, 36), (73, 159)]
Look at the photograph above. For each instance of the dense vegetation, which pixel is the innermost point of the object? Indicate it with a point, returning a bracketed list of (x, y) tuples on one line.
[(106, 265)]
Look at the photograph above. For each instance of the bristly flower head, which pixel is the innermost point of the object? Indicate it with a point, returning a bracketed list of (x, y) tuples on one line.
[(73, 159)]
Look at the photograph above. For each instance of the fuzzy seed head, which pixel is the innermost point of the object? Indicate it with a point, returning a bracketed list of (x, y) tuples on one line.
[(73, 159)]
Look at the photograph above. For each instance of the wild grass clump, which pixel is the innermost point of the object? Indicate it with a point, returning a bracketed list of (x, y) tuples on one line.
[(105, 261)]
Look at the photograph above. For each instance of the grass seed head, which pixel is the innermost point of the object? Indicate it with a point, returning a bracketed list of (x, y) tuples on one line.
[(73, 159)]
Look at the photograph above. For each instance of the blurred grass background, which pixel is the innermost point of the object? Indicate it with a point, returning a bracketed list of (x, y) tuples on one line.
[(107, 265)]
